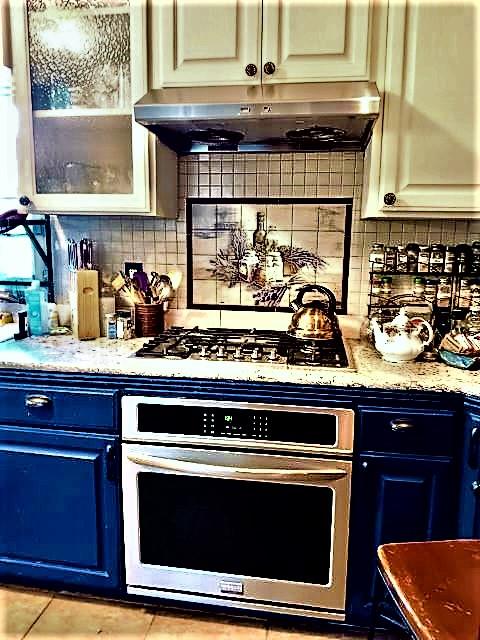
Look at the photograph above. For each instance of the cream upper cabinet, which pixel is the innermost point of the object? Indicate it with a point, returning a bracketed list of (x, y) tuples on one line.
[(5, 57), (314, 40), (428, 161), (78, 69), (206, 42)]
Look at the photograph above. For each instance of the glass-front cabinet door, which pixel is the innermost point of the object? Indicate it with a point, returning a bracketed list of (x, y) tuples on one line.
[(79, 66)]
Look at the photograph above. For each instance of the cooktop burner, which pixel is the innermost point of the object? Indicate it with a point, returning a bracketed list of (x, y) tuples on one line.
[(244, 345)]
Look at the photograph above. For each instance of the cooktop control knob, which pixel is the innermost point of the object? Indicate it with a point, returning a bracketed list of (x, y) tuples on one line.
[(256, 354), (238, 355), (221, 351), (273, 355), (204, 351)]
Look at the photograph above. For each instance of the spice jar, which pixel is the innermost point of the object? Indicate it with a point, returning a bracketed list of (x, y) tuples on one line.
[(402, 259), (377, 257), (437, 258), (390, 259), (412, 257), (386, 285), (444, 292), (450, 258), (423, 258), (463, 252), (418, 286), (376, 285), (430, 290), (465, 293), (475, 266)]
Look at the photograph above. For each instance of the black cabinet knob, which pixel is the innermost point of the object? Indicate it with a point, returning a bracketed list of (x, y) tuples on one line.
[(389, 198), (24, 201), (269, 68), (251, 70)]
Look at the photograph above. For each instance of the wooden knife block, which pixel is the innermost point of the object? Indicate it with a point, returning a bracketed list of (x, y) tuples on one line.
[(84, 304)]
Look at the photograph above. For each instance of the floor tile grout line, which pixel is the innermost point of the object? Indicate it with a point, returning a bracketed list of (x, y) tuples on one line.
[(150, 626), (38, 617)]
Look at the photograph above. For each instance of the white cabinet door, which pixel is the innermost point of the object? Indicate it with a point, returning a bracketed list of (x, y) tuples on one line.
[(77, 76), (430, 151), (313, 40), (205, 42), (5, 58)]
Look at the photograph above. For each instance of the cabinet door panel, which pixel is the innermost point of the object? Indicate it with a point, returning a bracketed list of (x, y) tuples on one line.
[(59, 516), (313, 41), (469, 511), (431, 141), (395, 500), (205, 43)]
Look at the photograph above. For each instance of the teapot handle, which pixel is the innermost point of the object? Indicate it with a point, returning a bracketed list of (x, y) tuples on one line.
[(426, 324), (332, 303)]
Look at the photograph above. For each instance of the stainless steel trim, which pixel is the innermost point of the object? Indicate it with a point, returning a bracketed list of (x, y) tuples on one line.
[(343, 444), (37, 401), (265, 474), (237, 604)]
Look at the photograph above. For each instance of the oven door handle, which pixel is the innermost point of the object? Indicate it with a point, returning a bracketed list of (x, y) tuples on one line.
[(290, 475)]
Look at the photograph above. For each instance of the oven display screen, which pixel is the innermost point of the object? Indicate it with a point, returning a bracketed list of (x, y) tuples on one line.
[(218, 422)]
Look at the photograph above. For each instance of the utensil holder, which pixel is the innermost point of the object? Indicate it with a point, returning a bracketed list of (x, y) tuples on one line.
[(148, 320)]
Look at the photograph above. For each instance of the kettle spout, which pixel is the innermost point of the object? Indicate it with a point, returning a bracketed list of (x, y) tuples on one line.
[(376, 330)]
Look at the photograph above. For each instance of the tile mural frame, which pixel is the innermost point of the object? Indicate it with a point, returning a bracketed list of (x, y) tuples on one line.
[(190, 202)]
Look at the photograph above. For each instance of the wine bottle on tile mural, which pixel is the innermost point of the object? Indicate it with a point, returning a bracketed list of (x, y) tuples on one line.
[(260, 248)]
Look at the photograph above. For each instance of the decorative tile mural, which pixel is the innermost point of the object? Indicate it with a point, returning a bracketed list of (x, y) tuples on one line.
[(257, 253)]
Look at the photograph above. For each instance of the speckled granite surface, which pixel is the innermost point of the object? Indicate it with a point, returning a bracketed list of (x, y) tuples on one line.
[(104, 356)]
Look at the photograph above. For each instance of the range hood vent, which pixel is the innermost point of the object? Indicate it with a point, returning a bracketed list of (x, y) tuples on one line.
[(284, 117)]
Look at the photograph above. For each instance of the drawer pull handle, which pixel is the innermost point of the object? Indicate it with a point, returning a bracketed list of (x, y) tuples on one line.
[(37, 402), (401, 425)]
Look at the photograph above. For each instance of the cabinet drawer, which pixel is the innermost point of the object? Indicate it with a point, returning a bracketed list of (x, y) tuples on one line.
[(403, 430), (73, 407)]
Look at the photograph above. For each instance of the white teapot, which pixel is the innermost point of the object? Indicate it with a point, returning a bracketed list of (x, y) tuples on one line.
[(400, 340)]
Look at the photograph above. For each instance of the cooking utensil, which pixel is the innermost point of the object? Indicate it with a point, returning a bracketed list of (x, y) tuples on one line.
[(141, 279), (314, 320), (165, 289), (176, 277), (72, 253)]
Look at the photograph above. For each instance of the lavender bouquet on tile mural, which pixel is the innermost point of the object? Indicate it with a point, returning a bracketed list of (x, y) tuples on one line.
[(255, 255)]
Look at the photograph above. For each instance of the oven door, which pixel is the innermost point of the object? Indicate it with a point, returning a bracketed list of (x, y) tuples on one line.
[(232, 525)]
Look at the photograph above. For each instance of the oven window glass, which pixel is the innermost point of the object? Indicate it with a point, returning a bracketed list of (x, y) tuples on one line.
[(258, 529)]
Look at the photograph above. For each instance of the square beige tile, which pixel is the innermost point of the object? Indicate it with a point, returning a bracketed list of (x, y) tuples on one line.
[(197, 627), (75, 619), (19, 609)]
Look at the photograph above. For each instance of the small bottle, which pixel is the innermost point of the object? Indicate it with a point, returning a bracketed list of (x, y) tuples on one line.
[(463, 255), (107, 306), (386, 287), (475, 265), (402, 259), (444, 293), (377, 257), (390, 259), (412, 257), (430, 293), (418, 286), (437, 258), (450, 259), (111, 325), (423, 259), (37, 311)]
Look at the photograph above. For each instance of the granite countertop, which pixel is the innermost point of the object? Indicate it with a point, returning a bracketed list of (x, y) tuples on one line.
[(103, 356)]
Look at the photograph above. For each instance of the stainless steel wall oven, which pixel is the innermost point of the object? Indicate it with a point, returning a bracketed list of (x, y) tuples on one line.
[(236, 503)]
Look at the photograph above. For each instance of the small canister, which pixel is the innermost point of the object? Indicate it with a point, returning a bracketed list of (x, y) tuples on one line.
[(465, 293), (463, 255), (111, 326), (437, 258), (412, 257), (376, 284), (377, 257), (423, 259), (444, 293), (402, 259), (450, 259)]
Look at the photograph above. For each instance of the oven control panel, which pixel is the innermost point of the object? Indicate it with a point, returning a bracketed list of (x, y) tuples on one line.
[(240, 421)]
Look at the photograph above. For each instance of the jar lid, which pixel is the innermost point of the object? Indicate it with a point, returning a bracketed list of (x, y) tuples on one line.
[(437, 247), (418, 280)]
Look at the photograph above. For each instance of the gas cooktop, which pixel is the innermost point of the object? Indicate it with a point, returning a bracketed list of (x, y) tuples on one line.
[(244, 345)]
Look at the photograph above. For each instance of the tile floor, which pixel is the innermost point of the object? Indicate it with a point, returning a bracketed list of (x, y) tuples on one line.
[(42, 615)]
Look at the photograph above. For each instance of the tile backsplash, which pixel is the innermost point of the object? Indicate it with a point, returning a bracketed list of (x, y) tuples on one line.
[(161, 244)]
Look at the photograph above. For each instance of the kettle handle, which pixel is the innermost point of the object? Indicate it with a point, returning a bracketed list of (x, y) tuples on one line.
[(332, 303), (427, 325)]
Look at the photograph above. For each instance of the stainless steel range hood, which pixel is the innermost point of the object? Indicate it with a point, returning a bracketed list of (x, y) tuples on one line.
[(282, 117)]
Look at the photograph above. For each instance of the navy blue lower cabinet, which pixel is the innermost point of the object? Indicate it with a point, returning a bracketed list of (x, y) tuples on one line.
[(395, 499), (469, 512), (59, 508)]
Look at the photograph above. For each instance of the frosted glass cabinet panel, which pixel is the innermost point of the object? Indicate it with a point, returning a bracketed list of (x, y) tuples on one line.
[(77, 79)]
